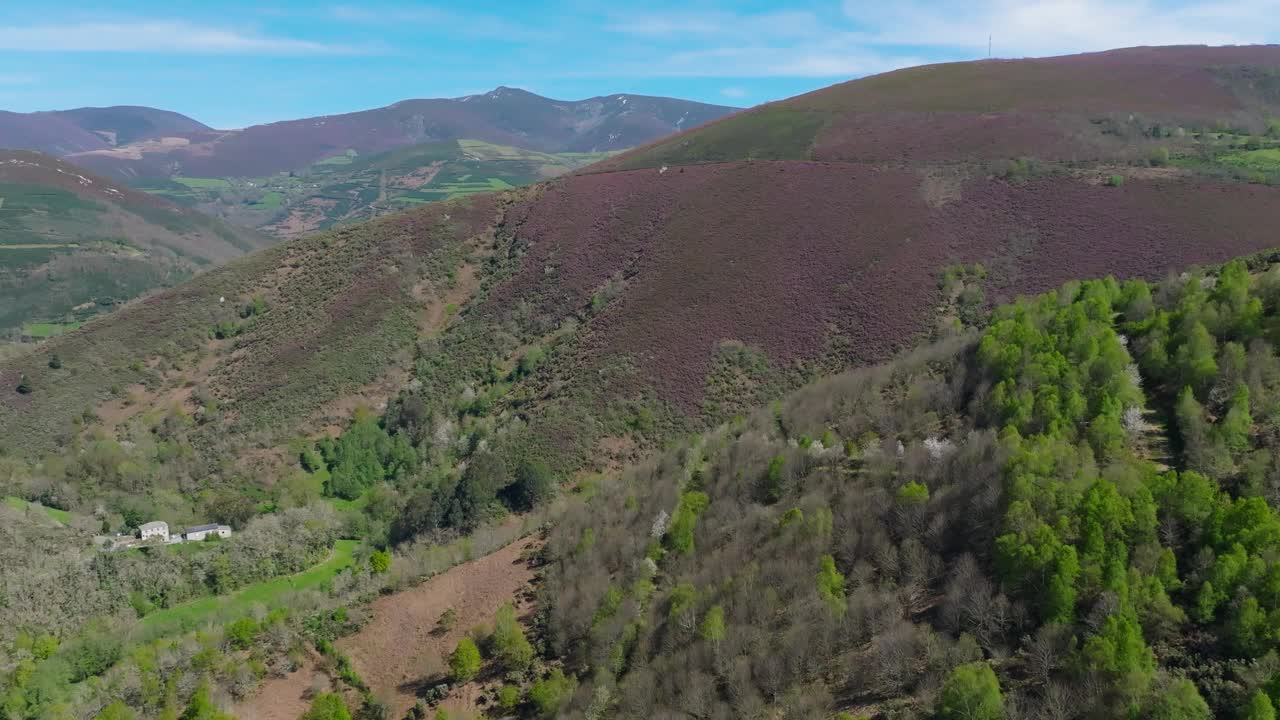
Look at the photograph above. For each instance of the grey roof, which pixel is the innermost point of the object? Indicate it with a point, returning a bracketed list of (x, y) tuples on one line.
[(202, 528), (154, 525)]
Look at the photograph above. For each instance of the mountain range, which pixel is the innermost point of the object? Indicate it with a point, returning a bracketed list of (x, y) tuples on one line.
[(948, 392), (799, 235), (286, 178), (133, 142)]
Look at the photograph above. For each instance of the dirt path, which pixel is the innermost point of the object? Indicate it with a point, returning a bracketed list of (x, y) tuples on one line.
[(401, 650)]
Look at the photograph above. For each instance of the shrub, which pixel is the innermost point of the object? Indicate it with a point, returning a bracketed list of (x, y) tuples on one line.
[(241, 633), (55, 363), (447, 620), (831, 585), (1115, 181), (1260, 708), (256, 306), (24, 385), (508, 645), (774, 483), (712, 628), (93, 655), (530, 361), (327, 706), (1159, 157), (972, 692), (533, 486), (550, 694), (680, 534), (913, 493), (380, 561), (201, 707), (119, 711), (508, 697), (464, 663)]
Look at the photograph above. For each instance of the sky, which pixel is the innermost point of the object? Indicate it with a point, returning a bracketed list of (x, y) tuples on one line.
[(240, 62)]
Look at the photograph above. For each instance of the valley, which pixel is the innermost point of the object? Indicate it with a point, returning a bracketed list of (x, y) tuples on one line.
[(74, 245), (948, 392), (348, 188)]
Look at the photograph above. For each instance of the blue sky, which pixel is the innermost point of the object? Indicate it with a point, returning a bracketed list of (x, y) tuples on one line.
[(240, 62)]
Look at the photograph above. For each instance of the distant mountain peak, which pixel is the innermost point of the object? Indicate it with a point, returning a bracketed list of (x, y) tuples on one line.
[(118, 141)]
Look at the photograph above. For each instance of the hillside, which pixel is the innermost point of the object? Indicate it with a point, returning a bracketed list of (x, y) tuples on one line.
[(654, 300), (63, 132), (979, 529), (73, 244), (1115, 105), (503, 116)]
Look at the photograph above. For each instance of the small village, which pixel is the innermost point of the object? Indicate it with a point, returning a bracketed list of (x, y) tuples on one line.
[(157, 532)]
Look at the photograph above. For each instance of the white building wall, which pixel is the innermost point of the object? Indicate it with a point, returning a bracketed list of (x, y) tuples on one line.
[(160, 532)]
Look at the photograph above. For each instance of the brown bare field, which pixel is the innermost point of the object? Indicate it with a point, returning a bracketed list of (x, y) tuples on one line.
[(287, 697), (401, 649)]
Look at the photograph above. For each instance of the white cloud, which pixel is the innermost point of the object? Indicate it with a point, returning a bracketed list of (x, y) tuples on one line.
[(18, 79), (1044, 27), (832, 58), (733, 92), (156, 36), (847, 38)]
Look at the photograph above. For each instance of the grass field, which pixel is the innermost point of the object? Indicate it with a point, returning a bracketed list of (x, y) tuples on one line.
[(1267, 160), (199, 183), (270, 593), (346, 505), (270, 201), (47, 330), (38, 246), (21, 505), (345, 159)]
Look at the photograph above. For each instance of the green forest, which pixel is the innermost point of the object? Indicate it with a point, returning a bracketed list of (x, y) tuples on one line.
[(1068, 512)]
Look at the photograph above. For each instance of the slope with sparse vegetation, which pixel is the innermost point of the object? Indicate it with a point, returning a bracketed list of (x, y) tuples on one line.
[(74, 245), (877, 544)]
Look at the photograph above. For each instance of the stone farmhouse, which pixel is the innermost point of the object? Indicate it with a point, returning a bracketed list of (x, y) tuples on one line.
[(155, 529), (200, 532), (159, 529)]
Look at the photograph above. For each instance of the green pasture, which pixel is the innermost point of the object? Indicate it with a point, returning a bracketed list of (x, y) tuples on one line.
[(269, 593), (199, 183), (48, 330), (21, 505)]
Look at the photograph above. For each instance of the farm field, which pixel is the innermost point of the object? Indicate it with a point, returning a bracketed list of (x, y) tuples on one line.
[(202, 183), (48, 330)]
